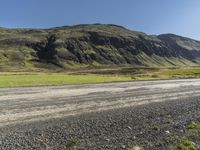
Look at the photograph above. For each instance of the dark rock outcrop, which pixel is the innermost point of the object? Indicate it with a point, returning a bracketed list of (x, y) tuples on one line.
[(103, 44)]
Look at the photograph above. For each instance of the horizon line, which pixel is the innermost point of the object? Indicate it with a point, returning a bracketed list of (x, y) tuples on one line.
[(85, 24)]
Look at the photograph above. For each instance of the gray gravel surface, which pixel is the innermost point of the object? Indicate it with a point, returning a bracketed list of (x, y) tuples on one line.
[(149, 115)]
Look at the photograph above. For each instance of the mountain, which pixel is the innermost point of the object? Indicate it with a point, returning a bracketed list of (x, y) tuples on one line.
[(97, 44)]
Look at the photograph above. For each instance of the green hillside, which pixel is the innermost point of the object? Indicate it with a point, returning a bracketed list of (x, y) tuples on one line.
[(92, 45)]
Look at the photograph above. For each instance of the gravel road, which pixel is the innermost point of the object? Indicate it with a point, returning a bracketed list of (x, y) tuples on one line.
[(98, 116)]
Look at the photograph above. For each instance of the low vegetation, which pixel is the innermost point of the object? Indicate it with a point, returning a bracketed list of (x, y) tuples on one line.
[(190, 139), (39, 79), (187, 145), (88, 76), (93, 54)]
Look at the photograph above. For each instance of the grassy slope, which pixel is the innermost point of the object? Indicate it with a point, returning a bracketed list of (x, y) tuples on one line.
[(16, 55)]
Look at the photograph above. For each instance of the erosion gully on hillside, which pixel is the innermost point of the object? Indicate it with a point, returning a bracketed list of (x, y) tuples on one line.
[(95, 44), (144, 115)]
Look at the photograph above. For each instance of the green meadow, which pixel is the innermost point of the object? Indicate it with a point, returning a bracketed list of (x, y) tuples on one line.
[(16, 79), (102, 75)]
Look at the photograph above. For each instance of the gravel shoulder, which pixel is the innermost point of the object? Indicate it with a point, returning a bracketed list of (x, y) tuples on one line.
[(150, 126)]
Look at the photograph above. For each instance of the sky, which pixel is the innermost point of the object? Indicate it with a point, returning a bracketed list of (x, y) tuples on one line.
[(150, 16)]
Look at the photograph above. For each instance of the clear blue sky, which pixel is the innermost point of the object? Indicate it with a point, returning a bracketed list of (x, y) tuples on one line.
[(150, 16)]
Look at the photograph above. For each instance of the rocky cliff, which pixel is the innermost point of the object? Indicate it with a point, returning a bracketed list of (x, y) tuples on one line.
[(96, 44)]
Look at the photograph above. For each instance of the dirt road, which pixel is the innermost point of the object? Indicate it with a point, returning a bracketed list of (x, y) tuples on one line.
[(41, 103)]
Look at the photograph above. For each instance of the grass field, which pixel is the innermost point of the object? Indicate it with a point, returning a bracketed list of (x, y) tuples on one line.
[(148, 73), (170, 73), (16, 79), (38, 79)]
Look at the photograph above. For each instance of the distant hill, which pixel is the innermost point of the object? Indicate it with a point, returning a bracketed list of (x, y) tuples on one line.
[(97, 44)]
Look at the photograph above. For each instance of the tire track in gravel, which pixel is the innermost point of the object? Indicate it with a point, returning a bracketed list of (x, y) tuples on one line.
[(40, 103)]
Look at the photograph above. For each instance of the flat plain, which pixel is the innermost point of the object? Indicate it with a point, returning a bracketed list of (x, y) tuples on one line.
[(90, 75)]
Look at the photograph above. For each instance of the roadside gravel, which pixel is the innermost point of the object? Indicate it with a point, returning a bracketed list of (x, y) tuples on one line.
[(150, 126)]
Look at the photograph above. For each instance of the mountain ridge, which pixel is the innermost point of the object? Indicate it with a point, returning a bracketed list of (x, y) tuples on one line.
[(94, 44)]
